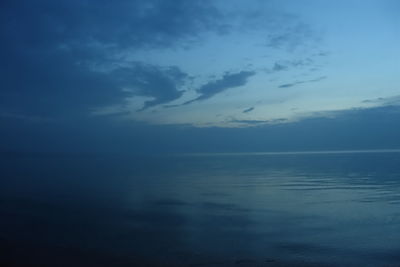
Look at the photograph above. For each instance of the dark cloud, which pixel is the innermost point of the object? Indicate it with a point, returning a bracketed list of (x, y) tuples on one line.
[(65, 58), (249, 122), (247, 110), (388, 115), (369, 128), (60, 58), (133, 23), (228, 81), (146, 80), (58, 86), (287, 85)]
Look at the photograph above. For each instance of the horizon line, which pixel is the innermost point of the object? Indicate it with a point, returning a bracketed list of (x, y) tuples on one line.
[(306, 152)]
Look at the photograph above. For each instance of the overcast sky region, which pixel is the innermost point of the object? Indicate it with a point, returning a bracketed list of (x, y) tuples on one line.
[(199, 75)]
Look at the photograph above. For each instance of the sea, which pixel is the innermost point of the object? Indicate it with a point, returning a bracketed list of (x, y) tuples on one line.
[(327, 208)]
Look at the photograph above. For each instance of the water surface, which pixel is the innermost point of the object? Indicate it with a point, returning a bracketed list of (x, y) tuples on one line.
[(333, 209)]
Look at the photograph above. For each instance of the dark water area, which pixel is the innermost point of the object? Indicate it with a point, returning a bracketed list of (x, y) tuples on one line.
[(338, 209)]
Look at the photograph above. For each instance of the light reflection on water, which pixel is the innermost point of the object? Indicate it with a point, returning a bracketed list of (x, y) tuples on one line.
[(289, 209)]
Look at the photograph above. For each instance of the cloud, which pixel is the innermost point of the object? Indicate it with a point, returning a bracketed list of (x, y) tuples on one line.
[(279, 67), (367, 128), (25, 118), (247, 110), (228, 81), (296, 34), (287, 85), (250, 122), (62, 59), (134, 23), (288, 64), (147, 80), (384, 101), (71, 57)]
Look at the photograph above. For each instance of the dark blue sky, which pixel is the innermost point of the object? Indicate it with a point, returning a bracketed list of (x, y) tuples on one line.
[(197, 76)]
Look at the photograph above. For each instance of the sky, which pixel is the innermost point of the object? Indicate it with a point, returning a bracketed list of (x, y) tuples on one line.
[(201, 75)]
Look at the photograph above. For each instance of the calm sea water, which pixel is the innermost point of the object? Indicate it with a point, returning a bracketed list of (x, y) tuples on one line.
[(333, 209)]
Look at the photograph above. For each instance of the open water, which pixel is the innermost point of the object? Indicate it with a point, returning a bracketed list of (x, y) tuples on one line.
[(263, 209)]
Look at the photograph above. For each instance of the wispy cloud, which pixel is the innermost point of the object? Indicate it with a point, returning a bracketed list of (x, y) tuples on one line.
[(257, 122), (384, 101), (287, 85), (279, 67), (247, 110), (228, 81), (294, 36)]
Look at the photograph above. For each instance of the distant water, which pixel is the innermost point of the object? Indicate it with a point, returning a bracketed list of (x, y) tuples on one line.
[(323, 209)]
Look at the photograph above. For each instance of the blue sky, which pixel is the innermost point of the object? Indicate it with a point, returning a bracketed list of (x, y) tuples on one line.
[(160, 65), (303, 56)]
